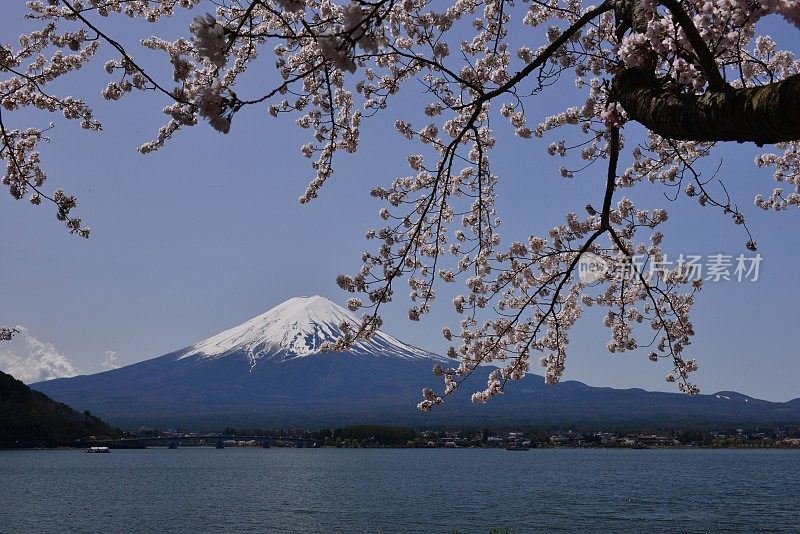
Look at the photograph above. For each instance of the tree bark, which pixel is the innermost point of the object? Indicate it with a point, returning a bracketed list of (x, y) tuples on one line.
[(762, 115)]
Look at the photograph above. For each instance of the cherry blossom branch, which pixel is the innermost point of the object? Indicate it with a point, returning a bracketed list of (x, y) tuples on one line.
[(63, 202), (549, 50), (704, 55), (121, 50)]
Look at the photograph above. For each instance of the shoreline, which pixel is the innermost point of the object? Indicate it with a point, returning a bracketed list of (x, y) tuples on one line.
[(532, 448)]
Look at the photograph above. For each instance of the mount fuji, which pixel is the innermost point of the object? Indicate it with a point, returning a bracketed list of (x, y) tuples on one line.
[(271, 371), (297, 328)]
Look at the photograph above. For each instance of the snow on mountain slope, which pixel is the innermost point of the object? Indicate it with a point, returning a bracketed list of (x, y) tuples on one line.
[(297, 328)]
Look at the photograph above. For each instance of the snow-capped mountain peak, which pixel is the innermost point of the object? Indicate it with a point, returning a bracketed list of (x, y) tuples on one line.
[(298, 327)]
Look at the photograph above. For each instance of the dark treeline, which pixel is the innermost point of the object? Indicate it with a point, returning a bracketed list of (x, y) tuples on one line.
[(385, 435), (29, 418), (391, 436), (576, 435)]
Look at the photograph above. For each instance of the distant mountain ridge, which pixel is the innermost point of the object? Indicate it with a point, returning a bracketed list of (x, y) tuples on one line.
[(269, 371)]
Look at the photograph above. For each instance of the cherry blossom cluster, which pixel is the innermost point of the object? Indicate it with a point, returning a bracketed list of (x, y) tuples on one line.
[(28, 72), (7, 333)]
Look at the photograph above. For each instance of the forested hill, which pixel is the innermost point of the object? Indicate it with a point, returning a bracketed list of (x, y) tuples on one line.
[(29, 418)]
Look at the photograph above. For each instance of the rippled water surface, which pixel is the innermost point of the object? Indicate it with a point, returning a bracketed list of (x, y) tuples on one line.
[(385, 490)]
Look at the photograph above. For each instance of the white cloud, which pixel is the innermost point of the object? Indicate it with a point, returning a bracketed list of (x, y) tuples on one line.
[(110, 363), (36, 361)]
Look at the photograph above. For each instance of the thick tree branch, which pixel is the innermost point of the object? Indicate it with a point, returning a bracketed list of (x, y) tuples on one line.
[(611, 178), (763, 115)]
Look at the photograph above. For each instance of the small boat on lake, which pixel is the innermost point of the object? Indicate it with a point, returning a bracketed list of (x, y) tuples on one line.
[(98, 449)]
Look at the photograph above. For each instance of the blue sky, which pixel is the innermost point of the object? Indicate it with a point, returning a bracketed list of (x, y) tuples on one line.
[(208, 232)]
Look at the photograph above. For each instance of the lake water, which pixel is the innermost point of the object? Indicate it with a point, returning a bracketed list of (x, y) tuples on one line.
[(396, 490)]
